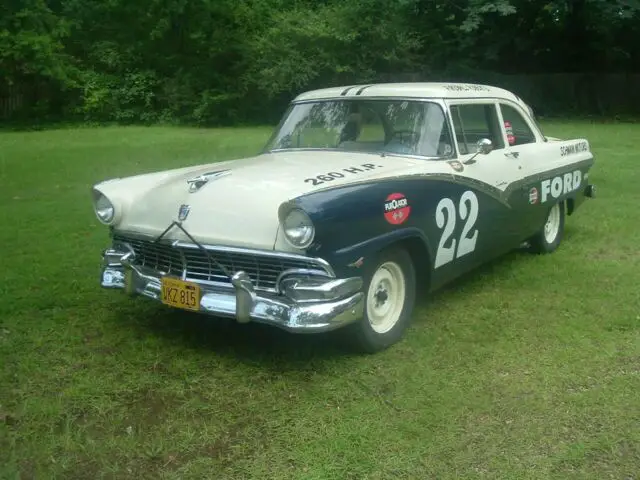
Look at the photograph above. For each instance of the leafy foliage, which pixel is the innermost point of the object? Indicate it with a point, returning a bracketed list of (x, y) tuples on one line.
[(222, 61), (329, 44)]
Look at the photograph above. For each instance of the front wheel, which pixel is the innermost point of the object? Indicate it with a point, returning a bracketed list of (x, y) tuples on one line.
[(390, 289), (549, 237)]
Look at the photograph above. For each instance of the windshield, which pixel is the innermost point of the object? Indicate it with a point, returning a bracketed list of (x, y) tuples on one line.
[(365, 125)]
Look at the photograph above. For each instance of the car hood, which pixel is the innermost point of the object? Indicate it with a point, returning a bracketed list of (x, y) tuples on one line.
[(238, 205)]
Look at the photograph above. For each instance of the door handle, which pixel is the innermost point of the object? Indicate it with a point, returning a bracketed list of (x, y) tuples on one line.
[(512, 154)]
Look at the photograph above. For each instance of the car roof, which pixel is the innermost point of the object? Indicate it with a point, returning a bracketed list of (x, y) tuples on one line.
[(410, 90)]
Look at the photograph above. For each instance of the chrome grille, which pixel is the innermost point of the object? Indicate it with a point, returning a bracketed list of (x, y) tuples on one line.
[(166, 259)]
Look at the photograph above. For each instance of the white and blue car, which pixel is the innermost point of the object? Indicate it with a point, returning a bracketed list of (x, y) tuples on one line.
[(365, 197)]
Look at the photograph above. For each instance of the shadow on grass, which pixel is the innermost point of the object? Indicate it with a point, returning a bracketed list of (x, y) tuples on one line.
[(257, 342), (226, 337)]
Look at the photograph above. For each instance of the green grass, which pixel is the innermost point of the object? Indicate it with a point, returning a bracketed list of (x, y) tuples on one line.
[(526, 368)]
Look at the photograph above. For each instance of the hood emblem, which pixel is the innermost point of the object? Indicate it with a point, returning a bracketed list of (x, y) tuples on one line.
[(197, 182), (183, 212)]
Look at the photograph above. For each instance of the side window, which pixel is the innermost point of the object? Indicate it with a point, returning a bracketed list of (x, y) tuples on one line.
[(518, 132), (473, 122), (417, 128)]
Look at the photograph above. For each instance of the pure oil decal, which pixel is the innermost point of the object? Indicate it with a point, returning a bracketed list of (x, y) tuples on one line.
[(396, 208), (511, 138)]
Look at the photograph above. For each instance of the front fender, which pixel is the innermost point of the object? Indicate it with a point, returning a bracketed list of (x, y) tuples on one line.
[(353, 255), (351, 225)]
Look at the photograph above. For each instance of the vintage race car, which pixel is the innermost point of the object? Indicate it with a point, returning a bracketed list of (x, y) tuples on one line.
[(364, 198)]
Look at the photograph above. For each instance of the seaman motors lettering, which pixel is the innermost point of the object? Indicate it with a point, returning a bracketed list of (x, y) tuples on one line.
[(574, 148)]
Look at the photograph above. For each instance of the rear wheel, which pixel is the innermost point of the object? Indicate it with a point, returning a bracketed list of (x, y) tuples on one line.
[(390, 292), (550, 235)]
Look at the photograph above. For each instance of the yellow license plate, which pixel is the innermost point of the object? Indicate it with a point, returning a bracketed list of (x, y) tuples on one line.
[(180, 294)]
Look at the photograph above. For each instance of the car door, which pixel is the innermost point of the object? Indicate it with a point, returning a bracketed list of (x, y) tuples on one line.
[(526, 148), (491, 174)]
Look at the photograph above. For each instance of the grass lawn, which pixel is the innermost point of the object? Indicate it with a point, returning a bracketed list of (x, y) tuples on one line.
[(528, 368)]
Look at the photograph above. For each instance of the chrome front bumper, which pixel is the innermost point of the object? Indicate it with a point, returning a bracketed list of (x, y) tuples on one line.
[(302, 304)]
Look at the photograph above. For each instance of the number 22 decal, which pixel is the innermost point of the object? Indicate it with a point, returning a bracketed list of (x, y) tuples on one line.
[(468, 210)]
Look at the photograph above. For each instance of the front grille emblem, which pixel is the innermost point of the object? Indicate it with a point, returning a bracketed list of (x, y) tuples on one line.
[(183, 212)]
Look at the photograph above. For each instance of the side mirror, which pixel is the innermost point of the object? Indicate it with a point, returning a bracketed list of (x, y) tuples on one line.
[(485, 146)]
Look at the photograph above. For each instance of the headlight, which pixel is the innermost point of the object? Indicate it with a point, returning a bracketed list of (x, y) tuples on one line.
[(105, 211), (298, 229)]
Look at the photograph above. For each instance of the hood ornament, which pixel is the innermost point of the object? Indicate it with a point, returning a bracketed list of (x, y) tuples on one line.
[(197, 182), (183, 212)]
